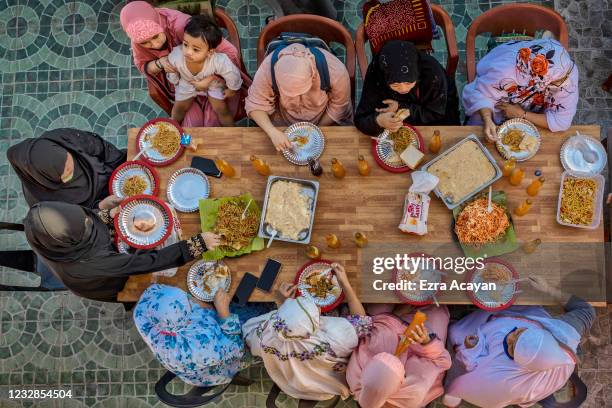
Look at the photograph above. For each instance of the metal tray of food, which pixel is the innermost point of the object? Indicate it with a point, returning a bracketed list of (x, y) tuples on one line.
[(498, 172), (310, 188)]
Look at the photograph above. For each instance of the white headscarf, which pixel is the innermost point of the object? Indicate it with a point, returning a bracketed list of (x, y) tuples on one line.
[(304, 353)]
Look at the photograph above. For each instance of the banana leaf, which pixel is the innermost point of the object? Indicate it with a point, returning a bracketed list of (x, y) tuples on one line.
[(506, 244), (208, 218)]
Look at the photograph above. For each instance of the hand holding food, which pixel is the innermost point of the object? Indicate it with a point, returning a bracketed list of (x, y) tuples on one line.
[(340, 273), (420, 334), (222, 301), (392, 106), (490, 130), (287, 290), (211, 240), (280, 140), (387, 120), (109, 202)]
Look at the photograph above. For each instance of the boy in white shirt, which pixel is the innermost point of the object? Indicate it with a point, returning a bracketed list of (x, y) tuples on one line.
[(200, 70)]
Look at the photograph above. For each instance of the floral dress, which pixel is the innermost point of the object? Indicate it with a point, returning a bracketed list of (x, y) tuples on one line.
[(189, 340), (538, 75)]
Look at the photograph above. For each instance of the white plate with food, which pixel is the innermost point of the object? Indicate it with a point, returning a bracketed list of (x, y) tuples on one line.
[(186, 187), (133, 178), (317, 280), (421, 295), (307, 142), (505, 278), (518, 138), (144, 221), (389, 146), (161, 141), (205, 278)]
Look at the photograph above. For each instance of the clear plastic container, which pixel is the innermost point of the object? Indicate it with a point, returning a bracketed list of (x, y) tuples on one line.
[(599, 179)]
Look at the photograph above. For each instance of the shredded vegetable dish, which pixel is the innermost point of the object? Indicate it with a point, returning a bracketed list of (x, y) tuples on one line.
[(236, 233), (166, 141), (134, 185), (476, 226), (578, 201), (401, 139)]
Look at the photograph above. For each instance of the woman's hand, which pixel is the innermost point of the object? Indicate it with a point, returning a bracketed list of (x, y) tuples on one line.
[(340, 274), (510, 110), (203, 84), (221, 302), (284, 292), (387, 120), (211, 240), (114, 211), (167, 66), (109, 202), (279, 139), (392, 106), (420, 334), (490, 130)]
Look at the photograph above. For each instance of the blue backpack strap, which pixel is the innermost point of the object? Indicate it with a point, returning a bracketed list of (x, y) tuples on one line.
[(322, 68)]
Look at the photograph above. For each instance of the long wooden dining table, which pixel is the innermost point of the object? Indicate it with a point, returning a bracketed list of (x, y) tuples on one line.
[(572, 258)]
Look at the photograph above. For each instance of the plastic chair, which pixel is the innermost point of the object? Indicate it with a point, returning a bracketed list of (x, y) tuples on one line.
[(580, 394), (325, 28), (275, 391), (442, 20), (195, 397), (508, 18), (225, 22)]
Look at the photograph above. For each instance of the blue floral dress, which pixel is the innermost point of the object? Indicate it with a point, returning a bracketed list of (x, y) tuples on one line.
[(189, 340)]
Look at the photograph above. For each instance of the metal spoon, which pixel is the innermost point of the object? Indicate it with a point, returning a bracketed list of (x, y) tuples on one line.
[(245, 209)]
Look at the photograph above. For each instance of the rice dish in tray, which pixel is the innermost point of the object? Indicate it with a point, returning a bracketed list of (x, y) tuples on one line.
[(462, 171), (288, 210)]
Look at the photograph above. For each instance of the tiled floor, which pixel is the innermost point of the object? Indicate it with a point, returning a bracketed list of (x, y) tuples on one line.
[(67, 63)]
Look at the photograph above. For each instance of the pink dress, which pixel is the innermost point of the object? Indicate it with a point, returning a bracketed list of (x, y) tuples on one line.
[(173, 22), (312, 105), (424, 366)]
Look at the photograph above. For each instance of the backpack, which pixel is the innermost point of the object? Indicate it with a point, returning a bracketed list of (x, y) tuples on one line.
[(312, 44)]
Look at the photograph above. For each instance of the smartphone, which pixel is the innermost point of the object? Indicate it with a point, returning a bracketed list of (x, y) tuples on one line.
[(207, 166), (245, 288), (269, 274)]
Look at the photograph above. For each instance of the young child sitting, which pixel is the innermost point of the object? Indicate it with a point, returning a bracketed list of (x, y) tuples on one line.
[(200, 70)]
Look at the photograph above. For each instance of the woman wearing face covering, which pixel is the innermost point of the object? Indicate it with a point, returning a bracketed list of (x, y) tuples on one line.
[(378, 378), (518, 356), (76, 244), (402, 77), (305, 353), (66, 165)]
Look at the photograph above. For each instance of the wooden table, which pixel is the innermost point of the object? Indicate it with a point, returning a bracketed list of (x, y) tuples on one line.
[(373, 205)]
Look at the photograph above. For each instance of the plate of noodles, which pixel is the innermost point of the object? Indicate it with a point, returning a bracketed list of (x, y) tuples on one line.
[(428, 273), (205, 278), (500, 273), (580, 200), (317, 280), (161, 138), (484, 234), (518, 138), (133, 178), (223, 216), (389, 145)]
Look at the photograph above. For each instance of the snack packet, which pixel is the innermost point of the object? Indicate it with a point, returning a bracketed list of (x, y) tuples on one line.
[(416, 203)]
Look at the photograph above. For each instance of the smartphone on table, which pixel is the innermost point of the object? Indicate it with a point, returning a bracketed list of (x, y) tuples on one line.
[(207, 166), (244, 289), (268, 275)]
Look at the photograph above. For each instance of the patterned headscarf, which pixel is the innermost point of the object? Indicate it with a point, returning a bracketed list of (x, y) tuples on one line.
[(140, 21)]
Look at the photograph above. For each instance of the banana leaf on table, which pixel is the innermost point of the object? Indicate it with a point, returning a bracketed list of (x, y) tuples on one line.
[(506, 244), (208, 218)]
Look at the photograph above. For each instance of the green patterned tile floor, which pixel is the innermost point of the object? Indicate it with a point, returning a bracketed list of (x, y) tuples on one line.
[(68, 63)]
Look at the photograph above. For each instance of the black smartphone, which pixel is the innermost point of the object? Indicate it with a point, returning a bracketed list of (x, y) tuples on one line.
[(207, 166), (269, 274), (245, 288)]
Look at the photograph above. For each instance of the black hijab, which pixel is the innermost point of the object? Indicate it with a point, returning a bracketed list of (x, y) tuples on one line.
[(39, 163), (398, 61), (63, 232)]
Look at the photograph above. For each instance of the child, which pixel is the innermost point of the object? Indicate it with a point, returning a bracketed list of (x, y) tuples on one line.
[(199, 69)]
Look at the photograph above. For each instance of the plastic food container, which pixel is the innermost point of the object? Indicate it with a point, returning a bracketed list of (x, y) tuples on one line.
[(598, 203)]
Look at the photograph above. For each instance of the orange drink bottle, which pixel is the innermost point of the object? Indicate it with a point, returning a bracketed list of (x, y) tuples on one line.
[(418, 319), (332, 241), (364, 167), (313, 252), (535, 185), (508, 167), (225, 168), (360, 239), (436, 142), (517, 176), (260, 166), (523, 208), (338, 168)]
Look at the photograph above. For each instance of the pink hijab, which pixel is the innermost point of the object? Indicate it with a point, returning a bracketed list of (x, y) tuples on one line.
[(379, 379)]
